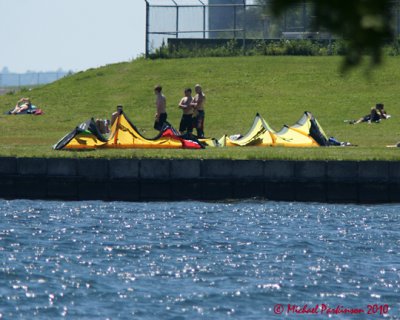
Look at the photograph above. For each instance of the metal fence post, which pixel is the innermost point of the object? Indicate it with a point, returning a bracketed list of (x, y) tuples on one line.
[(177, 19), (244, 26), (234, 22), (204, 19), (147, 29), (397, 19)]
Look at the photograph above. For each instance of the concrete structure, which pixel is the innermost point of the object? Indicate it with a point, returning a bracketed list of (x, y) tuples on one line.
[(153, 179)]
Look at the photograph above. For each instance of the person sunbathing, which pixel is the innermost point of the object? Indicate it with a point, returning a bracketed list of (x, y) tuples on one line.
[(22, 105), (376, 115)]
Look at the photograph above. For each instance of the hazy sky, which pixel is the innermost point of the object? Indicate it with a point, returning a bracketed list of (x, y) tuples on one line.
[(45, 35)]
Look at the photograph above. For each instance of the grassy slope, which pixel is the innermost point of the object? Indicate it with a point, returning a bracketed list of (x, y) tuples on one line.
[(279, 88)]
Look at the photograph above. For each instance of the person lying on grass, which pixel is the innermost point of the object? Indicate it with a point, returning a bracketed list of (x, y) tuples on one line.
[(22, 105), (376, 115)]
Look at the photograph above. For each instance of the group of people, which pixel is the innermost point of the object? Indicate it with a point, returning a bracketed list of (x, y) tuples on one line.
[(192, 110)]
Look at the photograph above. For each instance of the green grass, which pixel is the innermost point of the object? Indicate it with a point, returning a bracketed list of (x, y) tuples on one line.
[(279, 88)]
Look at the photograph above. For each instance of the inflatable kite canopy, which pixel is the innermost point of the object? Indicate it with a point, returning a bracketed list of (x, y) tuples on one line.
[(306, 132), (123, 134)]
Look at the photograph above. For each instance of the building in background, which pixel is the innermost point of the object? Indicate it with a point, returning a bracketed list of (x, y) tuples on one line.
[(223, 17)]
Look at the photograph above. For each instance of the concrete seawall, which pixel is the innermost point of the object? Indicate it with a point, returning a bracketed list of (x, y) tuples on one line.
[(153, 179)]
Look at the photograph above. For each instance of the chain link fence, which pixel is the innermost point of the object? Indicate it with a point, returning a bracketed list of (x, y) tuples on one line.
[(216, 20), (17, 80)]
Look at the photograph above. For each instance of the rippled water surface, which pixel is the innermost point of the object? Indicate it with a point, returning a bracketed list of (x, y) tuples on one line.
[(194, 260)]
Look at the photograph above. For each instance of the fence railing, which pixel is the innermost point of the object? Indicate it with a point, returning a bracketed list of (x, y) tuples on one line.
[(231, 19)]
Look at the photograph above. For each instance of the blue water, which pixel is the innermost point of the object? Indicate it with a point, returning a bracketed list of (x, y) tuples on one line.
[(194, 260)]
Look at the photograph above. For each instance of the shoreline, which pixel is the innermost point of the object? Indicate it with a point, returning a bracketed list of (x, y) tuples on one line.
[(206, 180)]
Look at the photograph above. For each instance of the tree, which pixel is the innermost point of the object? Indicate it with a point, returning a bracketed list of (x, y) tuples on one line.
[(365, 24)]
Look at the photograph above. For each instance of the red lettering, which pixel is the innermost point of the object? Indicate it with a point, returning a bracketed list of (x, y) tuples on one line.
[(302, 310), (338, 309), (378, 309), (324, 307), (291, 309)]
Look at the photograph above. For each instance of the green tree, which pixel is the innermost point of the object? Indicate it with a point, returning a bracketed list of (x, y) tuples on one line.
[(365, 24)]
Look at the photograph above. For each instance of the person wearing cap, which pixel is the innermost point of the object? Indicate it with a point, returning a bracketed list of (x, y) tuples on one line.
[(161, 107), (198, 103), (376, 115), (186, 123)]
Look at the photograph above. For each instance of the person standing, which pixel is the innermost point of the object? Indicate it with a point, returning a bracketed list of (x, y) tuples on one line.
[(186, 123), (161, 108), (116, 114), (198, 103)]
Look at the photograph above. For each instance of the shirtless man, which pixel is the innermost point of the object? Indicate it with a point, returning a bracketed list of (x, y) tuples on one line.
[(116, 114), (198, 103), (161, 107), (186, 120)]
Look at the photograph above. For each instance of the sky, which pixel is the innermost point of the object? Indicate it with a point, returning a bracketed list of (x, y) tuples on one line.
[(72, 35)]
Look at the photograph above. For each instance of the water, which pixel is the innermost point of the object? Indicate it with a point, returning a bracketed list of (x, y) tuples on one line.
[(194, 260)]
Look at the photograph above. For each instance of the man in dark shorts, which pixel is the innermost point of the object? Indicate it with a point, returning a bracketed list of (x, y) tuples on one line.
[(161, 107), (186, 124), (198, 105)]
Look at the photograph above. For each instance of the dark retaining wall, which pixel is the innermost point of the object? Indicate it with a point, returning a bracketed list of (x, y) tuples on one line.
[(152, 179)]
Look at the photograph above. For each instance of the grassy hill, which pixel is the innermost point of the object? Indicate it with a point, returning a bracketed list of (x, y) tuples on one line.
[(279, 88)]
